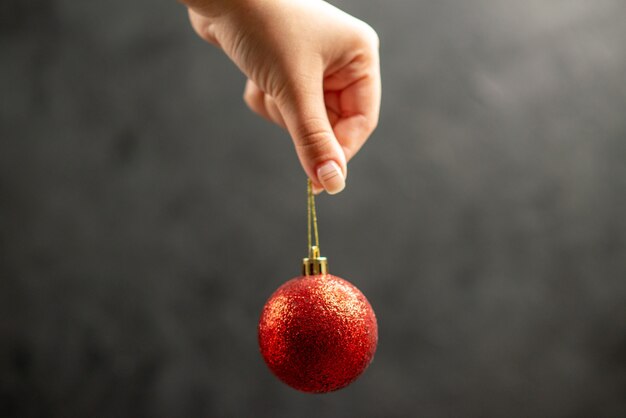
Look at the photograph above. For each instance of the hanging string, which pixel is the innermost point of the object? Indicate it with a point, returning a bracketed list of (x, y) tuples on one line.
[(309, 189), (311, 216), (317, 238)]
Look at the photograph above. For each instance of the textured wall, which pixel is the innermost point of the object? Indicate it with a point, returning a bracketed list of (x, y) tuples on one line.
[(146, 215)]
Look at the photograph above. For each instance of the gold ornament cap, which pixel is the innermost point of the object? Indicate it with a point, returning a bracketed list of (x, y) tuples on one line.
[(314, 264)]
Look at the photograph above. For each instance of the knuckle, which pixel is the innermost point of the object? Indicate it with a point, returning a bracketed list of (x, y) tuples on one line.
[(318, 139), (202, 27), (253, 98), (371, 123), (369, 35), (248, 97), (314, 144), (374, 38), (367, 124), (369, 127)]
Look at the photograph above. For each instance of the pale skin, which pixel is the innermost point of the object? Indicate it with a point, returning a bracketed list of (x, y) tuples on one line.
[(311, 69)]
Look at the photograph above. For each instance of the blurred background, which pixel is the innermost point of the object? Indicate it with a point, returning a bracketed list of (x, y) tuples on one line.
[(146, 215)]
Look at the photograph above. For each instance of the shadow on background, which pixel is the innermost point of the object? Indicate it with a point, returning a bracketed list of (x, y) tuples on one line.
[(146, 215)]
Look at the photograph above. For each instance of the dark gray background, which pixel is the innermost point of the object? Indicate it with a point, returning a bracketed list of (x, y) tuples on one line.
[(146, 215)]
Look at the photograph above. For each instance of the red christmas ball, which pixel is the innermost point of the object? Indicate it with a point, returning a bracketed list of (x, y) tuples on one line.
[(318, 333)]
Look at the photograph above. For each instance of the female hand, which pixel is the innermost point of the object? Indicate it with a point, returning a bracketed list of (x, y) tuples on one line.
[(311, 68)]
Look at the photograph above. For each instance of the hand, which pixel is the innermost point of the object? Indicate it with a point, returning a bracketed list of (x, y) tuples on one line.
[(311, 68)]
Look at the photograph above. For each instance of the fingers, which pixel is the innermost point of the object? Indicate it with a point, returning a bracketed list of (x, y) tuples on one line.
[(360, 107), (305, 116), (265, 106), (201, 25), (354, 94), (262, 104)]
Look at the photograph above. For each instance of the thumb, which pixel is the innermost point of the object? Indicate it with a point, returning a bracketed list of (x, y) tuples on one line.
[(320, 154)]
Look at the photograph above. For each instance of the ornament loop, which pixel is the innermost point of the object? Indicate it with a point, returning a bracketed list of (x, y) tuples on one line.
[(314, 264)]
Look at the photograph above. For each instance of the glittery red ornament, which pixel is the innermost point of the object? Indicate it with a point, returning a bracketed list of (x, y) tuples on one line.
[(318, 333)]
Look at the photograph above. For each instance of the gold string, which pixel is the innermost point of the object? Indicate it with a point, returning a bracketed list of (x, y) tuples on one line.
[(309, 190), (317, 238), (311, 217)]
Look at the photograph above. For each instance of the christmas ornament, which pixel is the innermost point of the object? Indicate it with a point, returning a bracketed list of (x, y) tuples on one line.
[(317, 332)]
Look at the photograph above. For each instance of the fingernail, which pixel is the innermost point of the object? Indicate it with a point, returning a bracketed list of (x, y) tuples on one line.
[(331, 177), (317, 190)]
